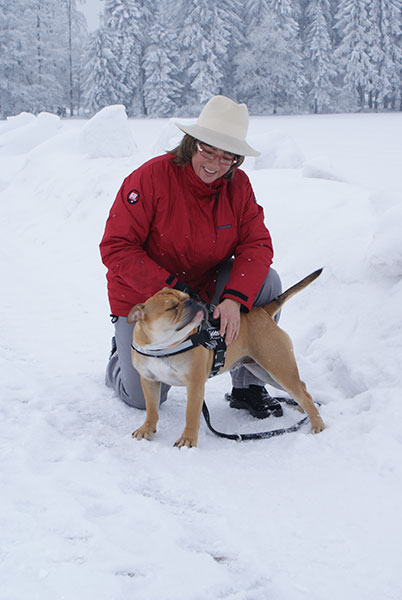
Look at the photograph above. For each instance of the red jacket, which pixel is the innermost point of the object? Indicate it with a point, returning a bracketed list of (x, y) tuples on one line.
[(167, 225)]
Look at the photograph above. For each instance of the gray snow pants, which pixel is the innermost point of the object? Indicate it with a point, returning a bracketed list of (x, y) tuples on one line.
[(125, 380)]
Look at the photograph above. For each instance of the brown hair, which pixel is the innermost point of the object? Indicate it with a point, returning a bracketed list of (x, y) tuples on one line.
[(184, 152)]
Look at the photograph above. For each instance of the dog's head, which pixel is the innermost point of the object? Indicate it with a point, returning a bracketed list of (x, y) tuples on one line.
[(166, 318)]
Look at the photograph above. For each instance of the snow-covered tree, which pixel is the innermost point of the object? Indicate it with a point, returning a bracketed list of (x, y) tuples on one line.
[(39, 63), (50, 54), (320, 71), (75, 39), (232, 14), (385, 51), (162, 88), (165, 57), (103, 76), (269, 70), (13, 75), (203, 44), (255, 12), (353, 53), (288, 12), (127, 22)]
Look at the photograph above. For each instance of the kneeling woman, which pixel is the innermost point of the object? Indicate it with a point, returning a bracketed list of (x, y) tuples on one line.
[(190, 217)]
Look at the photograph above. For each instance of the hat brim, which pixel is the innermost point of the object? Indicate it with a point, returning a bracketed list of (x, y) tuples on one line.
[(218, 140)]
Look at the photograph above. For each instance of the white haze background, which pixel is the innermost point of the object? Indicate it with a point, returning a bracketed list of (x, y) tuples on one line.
[(87, 512)]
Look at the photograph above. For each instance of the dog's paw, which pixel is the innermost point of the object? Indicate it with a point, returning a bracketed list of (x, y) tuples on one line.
[(318, 425), (186, 442), (145, 432)]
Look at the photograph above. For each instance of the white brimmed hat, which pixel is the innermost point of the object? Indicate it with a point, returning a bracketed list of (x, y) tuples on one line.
[(223, 124)]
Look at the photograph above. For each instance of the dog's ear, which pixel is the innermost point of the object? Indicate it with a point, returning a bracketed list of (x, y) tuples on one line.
[(136, 313)]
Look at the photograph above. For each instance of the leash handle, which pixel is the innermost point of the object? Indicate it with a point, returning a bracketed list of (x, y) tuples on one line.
[(262, 435)]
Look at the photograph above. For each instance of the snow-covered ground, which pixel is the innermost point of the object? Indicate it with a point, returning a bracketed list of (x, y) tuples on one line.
[(89, 513)]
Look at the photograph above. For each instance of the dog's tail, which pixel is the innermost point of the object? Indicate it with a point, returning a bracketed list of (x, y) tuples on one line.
[(275, 305)]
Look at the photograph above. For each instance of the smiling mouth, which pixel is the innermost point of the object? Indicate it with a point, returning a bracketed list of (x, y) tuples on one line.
[(210, 172)]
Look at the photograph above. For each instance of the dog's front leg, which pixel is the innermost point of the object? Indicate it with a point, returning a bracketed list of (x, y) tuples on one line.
[(195, 399), (152, 391)]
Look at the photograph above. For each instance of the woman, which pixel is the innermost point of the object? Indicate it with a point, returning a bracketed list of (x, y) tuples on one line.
[(177, 221)]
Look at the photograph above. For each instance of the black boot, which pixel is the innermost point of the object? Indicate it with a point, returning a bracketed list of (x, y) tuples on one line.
[(256, 400)]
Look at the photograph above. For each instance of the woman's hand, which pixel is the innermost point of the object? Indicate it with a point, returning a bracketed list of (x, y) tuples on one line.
[(229, 313)]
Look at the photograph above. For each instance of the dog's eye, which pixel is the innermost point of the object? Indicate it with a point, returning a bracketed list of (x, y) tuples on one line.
[(175, 307)]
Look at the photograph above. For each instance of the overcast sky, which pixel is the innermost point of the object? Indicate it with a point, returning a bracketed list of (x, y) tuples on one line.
[(91, 9)]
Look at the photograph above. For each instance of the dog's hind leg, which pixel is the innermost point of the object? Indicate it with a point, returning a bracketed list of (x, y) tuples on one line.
[(281, 365), (152, 390), (297, 390)]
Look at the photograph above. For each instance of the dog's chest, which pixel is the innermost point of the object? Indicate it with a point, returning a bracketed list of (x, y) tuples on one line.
[(161, 369)]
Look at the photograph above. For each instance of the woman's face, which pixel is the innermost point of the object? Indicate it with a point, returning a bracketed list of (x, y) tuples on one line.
[(207, 162)]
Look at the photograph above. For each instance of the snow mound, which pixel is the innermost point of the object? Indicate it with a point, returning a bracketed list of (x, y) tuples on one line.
[(386, 249), (28, 133), (107, 134), (320, 168), (169, 137), (278, 151), (20, 120)]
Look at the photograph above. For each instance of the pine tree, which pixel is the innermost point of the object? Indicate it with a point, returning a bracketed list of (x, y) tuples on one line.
[(203, 42), (102, 73), (269, 70), (287, 13), (256, 11), (385, 51), (128, 23), (232, 15), (353, 53), (162, 88), (50, 57), (318, 52), (75, 38), (12, 76)]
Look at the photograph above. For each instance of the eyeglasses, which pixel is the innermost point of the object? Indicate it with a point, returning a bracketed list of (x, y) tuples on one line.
[(212, 155)]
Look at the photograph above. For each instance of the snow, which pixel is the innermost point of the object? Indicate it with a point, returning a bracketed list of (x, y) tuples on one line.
[(25, 133), (20, 120), (87, 512), (107, 134), (278, 150)]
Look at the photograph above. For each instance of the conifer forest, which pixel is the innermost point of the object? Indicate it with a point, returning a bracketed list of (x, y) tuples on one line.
[(164, 58)]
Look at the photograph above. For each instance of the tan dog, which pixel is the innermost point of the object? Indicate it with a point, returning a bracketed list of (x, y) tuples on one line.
[(170, 316)]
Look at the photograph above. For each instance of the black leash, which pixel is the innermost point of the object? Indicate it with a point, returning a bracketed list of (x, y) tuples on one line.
[(262, 435)]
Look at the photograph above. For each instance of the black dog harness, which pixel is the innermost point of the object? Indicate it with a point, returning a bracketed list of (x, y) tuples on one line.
[(207, 335)]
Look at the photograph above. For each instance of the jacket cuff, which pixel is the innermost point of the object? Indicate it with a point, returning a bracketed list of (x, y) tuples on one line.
[(243, 300)]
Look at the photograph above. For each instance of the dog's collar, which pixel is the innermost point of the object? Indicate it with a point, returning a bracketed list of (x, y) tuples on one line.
[(207, 336), (187, 344)]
